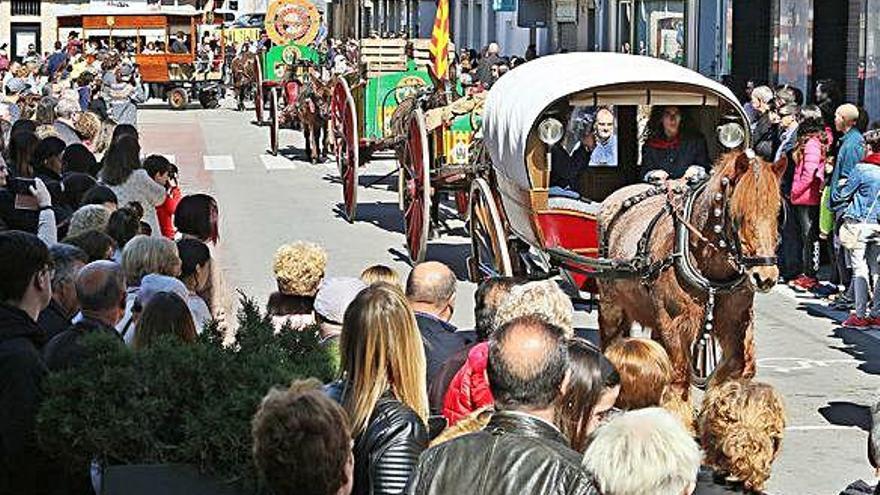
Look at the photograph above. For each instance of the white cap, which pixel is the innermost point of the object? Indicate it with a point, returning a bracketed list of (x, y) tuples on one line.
[(334, 295)]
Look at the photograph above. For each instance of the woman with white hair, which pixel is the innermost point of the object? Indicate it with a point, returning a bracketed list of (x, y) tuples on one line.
[(644, 451)]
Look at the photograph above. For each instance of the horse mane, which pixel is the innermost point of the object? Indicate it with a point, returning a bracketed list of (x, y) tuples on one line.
[(753, 194)]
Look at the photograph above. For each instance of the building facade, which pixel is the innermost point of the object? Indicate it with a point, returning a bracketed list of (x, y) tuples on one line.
[(27, 22)]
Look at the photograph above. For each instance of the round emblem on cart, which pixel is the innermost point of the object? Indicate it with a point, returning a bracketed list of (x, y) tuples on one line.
[(292, 21), (111, 20), (291, 54), (407, 87)]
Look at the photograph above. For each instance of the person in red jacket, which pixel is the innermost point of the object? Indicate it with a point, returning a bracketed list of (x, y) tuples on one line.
[(164, 172), (808, 179), (469, 389)]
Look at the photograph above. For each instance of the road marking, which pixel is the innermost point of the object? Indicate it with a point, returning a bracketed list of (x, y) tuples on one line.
[(218, 162), (821, 427), (789, 364), (171, 158), (272, 162)]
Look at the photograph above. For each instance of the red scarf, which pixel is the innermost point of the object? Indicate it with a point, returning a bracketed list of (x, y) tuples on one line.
[(664, 144), (872, 158)]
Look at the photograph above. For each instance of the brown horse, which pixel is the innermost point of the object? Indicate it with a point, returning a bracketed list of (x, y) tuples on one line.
[(244, 69), (313, 110), (728, 237)]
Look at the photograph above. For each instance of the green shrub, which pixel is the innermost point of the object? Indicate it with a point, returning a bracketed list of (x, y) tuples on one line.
[(175, 403)]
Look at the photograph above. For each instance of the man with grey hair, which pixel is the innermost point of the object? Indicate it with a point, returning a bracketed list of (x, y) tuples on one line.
[(100, 288), (484, 68), (66, 112), (430, 290), (644, 451), (68, 261)]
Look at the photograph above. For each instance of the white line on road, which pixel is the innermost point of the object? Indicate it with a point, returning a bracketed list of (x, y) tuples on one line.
[(821, 427), (170, 158), (218, 162), (272, 162)]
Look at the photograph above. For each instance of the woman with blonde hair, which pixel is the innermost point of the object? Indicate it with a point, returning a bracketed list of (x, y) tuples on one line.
[(646, 378), (741, 428), (383, 389), (380, 273), (142, 256), (299, 269)]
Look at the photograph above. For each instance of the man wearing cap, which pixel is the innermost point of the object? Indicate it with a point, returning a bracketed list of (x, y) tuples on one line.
[(14, 89), (333, 297), (100, 289)]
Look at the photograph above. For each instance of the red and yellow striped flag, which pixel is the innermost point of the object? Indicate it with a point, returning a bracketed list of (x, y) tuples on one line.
[(440, 40)]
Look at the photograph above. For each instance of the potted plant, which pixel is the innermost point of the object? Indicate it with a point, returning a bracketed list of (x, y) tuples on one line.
[(174, 418)]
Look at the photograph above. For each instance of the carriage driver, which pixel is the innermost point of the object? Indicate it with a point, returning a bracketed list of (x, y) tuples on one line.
[(672, 148)]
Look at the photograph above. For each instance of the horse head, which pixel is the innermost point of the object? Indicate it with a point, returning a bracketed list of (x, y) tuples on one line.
[(747, 187)]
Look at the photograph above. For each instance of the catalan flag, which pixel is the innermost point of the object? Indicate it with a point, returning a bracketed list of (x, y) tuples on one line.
[(440, 40)]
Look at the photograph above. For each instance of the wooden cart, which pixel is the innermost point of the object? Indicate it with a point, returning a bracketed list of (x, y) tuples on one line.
[(174, 73)]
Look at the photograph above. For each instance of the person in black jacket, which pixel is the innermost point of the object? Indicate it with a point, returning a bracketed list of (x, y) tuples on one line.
[(430, 289), (100, 288), (383, 389), (25, 290), (521, 450), (68, 260), (671, 146)]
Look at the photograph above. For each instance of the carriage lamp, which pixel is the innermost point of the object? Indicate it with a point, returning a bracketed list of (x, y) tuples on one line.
[(731, 135), (550, 131)]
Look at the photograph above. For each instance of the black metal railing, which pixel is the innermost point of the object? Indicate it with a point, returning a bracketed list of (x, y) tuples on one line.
[(25, 7)]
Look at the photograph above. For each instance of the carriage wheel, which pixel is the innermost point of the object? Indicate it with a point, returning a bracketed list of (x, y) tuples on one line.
[(345, 135), (178, 98), (416, 191), (273, 120), (490, 255), (258, 94), (462, 200)]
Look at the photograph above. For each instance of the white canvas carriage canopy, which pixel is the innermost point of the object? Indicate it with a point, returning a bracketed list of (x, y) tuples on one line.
[(517, 100)]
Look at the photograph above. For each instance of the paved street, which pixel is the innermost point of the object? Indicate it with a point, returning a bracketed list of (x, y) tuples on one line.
[(828, 375)]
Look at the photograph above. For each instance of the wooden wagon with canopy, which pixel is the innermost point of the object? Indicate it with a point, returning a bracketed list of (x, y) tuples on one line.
[(517, 222), (177, 75)]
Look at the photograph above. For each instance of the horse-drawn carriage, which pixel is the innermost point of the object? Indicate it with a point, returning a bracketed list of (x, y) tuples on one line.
[(396, 103), (681, 257), (178, 75)]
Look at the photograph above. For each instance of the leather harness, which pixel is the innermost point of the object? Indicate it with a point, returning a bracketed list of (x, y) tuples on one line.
[(726, 240)]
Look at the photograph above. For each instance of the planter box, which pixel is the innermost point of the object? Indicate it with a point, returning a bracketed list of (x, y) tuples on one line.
[(167, 479)]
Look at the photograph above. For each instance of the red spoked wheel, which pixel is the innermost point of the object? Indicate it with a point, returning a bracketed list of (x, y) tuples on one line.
[(274, 116), (490, 254), (343, 115), (416, 190), (462, 202), (258, 94)]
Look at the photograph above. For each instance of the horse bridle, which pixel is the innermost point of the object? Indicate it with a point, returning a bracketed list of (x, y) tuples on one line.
[(726, 226)]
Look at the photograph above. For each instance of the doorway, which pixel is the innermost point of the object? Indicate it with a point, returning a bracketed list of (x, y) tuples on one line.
[(830, 35), (752, 41), (24, 34)]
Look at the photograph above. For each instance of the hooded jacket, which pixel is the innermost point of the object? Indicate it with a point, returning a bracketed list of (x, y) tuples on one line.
[(469, 388), (21, 374), (809, 175)]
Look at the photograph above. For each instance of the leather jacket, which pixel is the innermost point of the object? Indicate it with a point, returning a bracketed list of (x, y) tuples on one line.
[(386, 453), (514, 454)]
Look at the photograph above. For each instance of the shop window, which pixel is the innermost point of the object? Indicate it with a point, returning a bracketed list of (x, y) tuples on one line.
[(661, 30), (25, 7)]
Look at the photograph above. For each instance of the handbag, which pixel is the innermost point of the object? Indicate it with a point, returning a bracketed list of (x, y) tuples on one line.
[(853, 233)]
